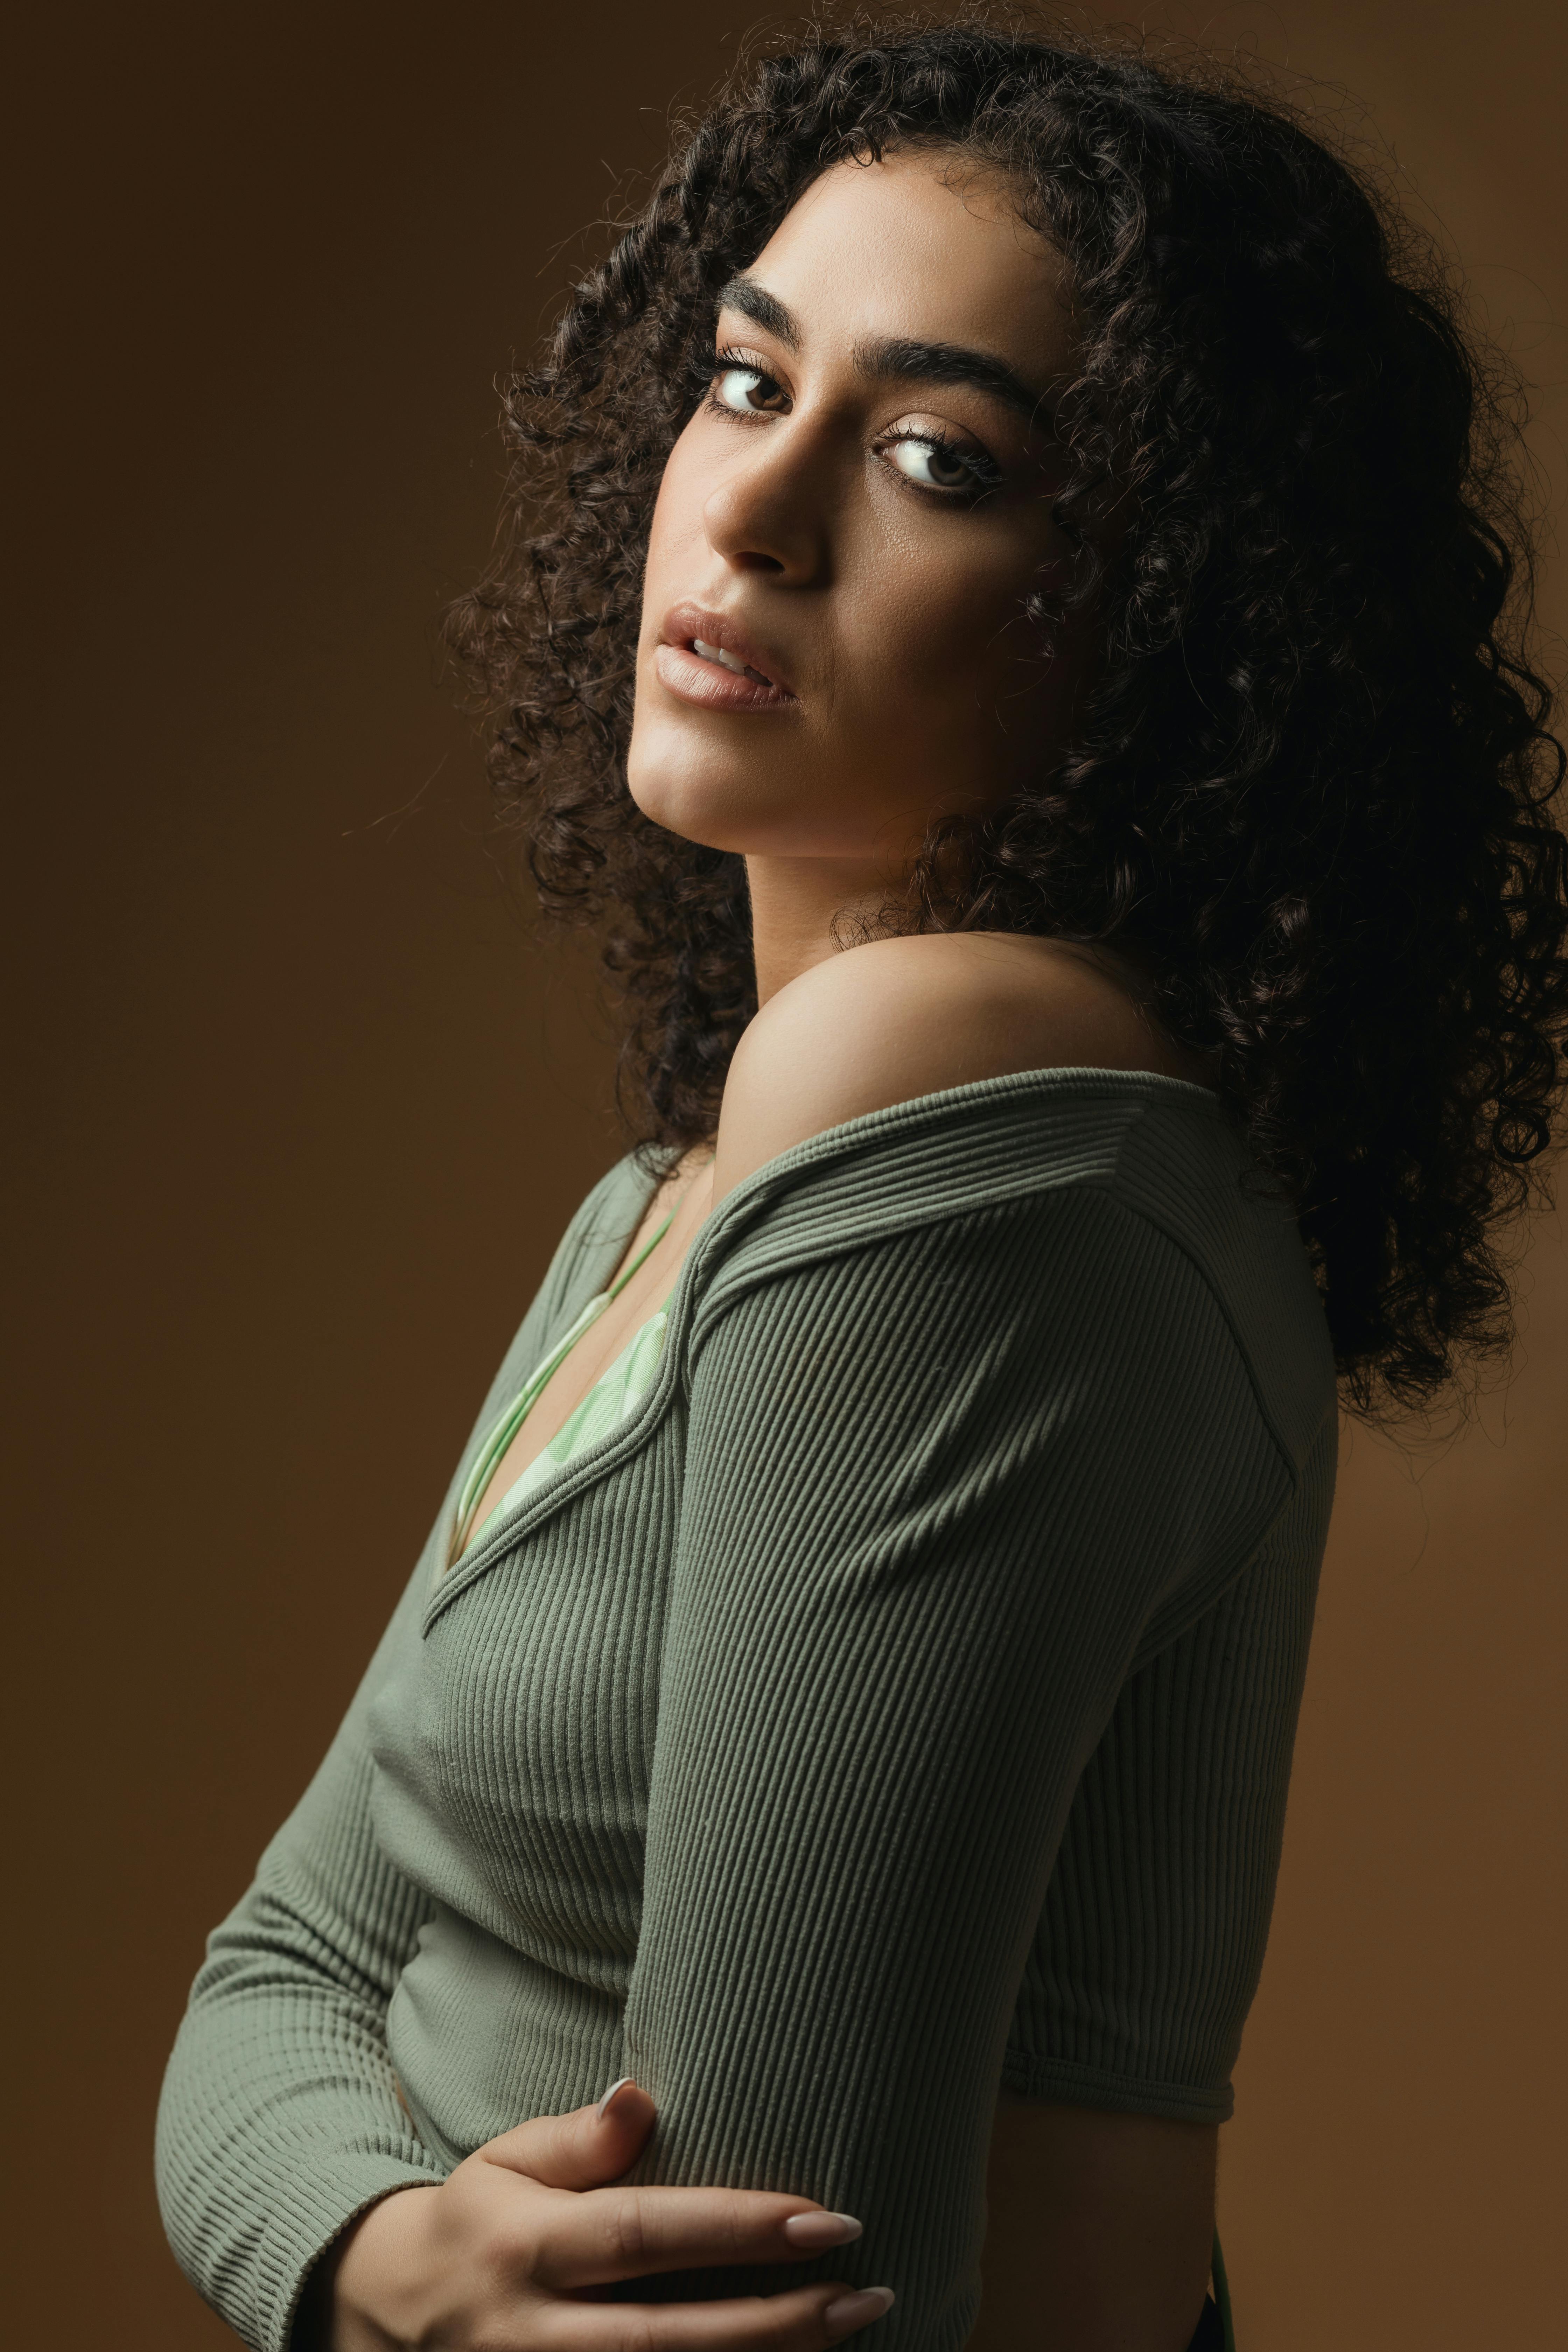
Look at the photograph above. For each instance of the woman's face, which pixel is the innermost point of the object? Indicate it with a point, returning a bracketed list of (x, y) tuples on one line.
[(852, 520)]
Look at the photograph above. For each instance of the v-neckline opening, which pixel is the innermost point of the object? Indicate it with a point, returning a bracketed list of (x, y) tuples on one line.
[(831, 1144)]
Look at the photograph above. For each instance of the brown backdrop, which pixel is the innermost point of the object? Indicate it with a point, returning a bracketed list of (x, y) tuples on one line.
[(302, 1111)]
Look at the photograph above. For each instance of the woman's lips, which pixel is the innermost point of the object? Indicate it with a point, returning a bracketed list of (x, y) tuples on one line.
[(707, 659)]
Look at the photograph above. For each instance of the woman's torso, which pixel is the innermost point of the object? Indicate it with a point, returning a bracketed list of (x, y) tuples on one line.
[(1099, 2224), (553, 1599)]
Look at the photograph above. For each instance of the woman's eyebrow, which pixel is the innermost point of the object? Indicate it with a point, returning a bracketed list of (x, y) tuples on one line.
[(897, 356), (765, 310), (916, 363)]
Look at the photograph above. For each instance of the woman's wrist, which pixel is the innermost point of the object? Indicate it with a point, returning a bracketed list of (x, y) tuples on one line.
[(356, 2297)]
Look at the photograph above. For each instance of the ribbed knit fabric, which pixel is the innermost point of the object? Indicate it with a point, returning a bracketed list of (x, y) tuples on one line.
[(896, 1706)]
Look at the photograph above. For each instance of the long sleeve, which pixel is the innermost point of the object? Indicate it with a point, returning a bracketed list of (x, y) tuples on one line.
[(936, 1486), (279, 2120)]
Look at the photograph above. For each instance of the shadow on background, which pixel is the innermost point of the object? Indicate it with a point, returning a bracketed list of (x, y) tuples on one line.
[(304, 1111)]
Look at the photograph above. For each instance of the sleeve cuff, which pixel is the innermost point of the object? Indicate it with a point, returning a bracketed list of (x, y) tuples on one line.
[(1091, 2086)]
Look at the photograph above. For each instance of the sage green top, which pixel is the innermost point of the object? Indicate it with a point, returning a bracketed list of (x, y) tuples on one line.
[(895, 1705)]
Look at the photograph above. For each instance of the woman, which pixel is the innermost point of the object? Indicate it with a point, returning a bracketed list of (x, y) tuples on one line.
[(1013, 624)]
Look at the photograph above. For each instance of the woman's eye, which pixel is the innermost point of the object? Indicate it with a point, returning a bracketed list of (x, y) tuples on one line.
[(747, 391), (938, 465)]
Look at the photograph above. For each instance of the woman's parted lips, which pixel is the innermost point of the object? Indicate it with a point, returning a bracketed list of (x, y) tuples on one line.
[(690, 626)]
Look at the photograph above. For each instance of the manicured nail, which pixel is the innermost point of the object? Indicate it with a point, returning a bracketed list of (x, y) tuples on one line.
[(854, 2310), (603, 2106), (816, 2230)]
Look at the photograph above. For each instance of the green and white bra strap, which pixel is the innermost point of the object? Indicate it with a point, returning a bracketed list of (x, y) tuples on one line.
[(495, 1445)]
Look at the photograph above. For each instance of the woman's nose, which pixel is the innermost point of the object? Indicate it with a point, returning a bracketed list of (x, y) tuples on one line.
[(769, 514)]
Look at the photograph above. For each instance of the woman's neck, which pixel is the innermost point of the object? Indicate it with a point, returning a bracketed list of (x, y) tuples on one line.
[(794, 901)]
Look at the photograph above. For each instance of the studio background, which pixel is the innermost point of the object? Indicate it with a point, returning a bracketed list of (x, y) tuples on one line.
[(298, 1109)]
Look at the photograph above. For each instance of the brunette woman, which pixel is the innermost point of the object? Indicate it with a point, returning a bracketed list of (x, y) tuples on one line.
[(1011, 626)]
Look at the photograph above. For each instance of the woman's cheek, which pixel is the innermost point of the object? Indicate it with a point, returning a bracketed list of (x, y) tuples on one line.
[(940, 654)]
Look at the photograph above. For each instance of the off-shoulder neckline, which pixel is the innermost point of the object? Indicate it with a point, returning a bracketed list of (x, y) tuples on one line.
[(831, 1142), (814, 1152)]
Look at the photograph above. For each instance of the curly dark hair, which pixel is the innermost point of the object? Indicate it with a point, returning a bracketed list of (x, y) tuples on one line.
[(1311, 791)]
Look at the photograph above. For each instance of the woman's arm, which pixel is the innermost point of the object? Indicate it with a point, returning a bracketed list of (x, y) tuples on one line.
[(281, 2135), (935, 1487), (279, 2119)]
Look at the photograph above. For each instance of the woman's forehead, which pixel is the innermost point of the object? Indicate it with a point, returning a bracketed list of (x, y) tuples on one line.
[(926, 247)]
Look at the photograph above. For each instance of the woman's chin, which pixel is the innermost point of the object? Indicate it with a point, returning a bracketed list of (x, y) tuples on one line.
[(717, 805), (761, 808), (695, 815)]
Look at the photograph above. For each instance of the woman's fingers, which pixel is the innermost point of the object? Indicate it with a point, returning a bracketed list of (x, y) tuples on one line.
[(801, 2320), (582, 2148), (502, 2255), (617, 2233)]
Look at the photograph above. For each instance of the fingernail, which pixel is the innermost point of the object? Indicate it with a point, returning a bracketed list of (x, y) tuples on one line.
[(854, 2310), (821, 2229), (603, 2106)]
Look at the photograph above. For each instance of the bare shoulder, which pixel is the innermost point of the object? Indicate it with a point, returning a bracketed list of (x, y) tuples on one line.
[(896, 1019)]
